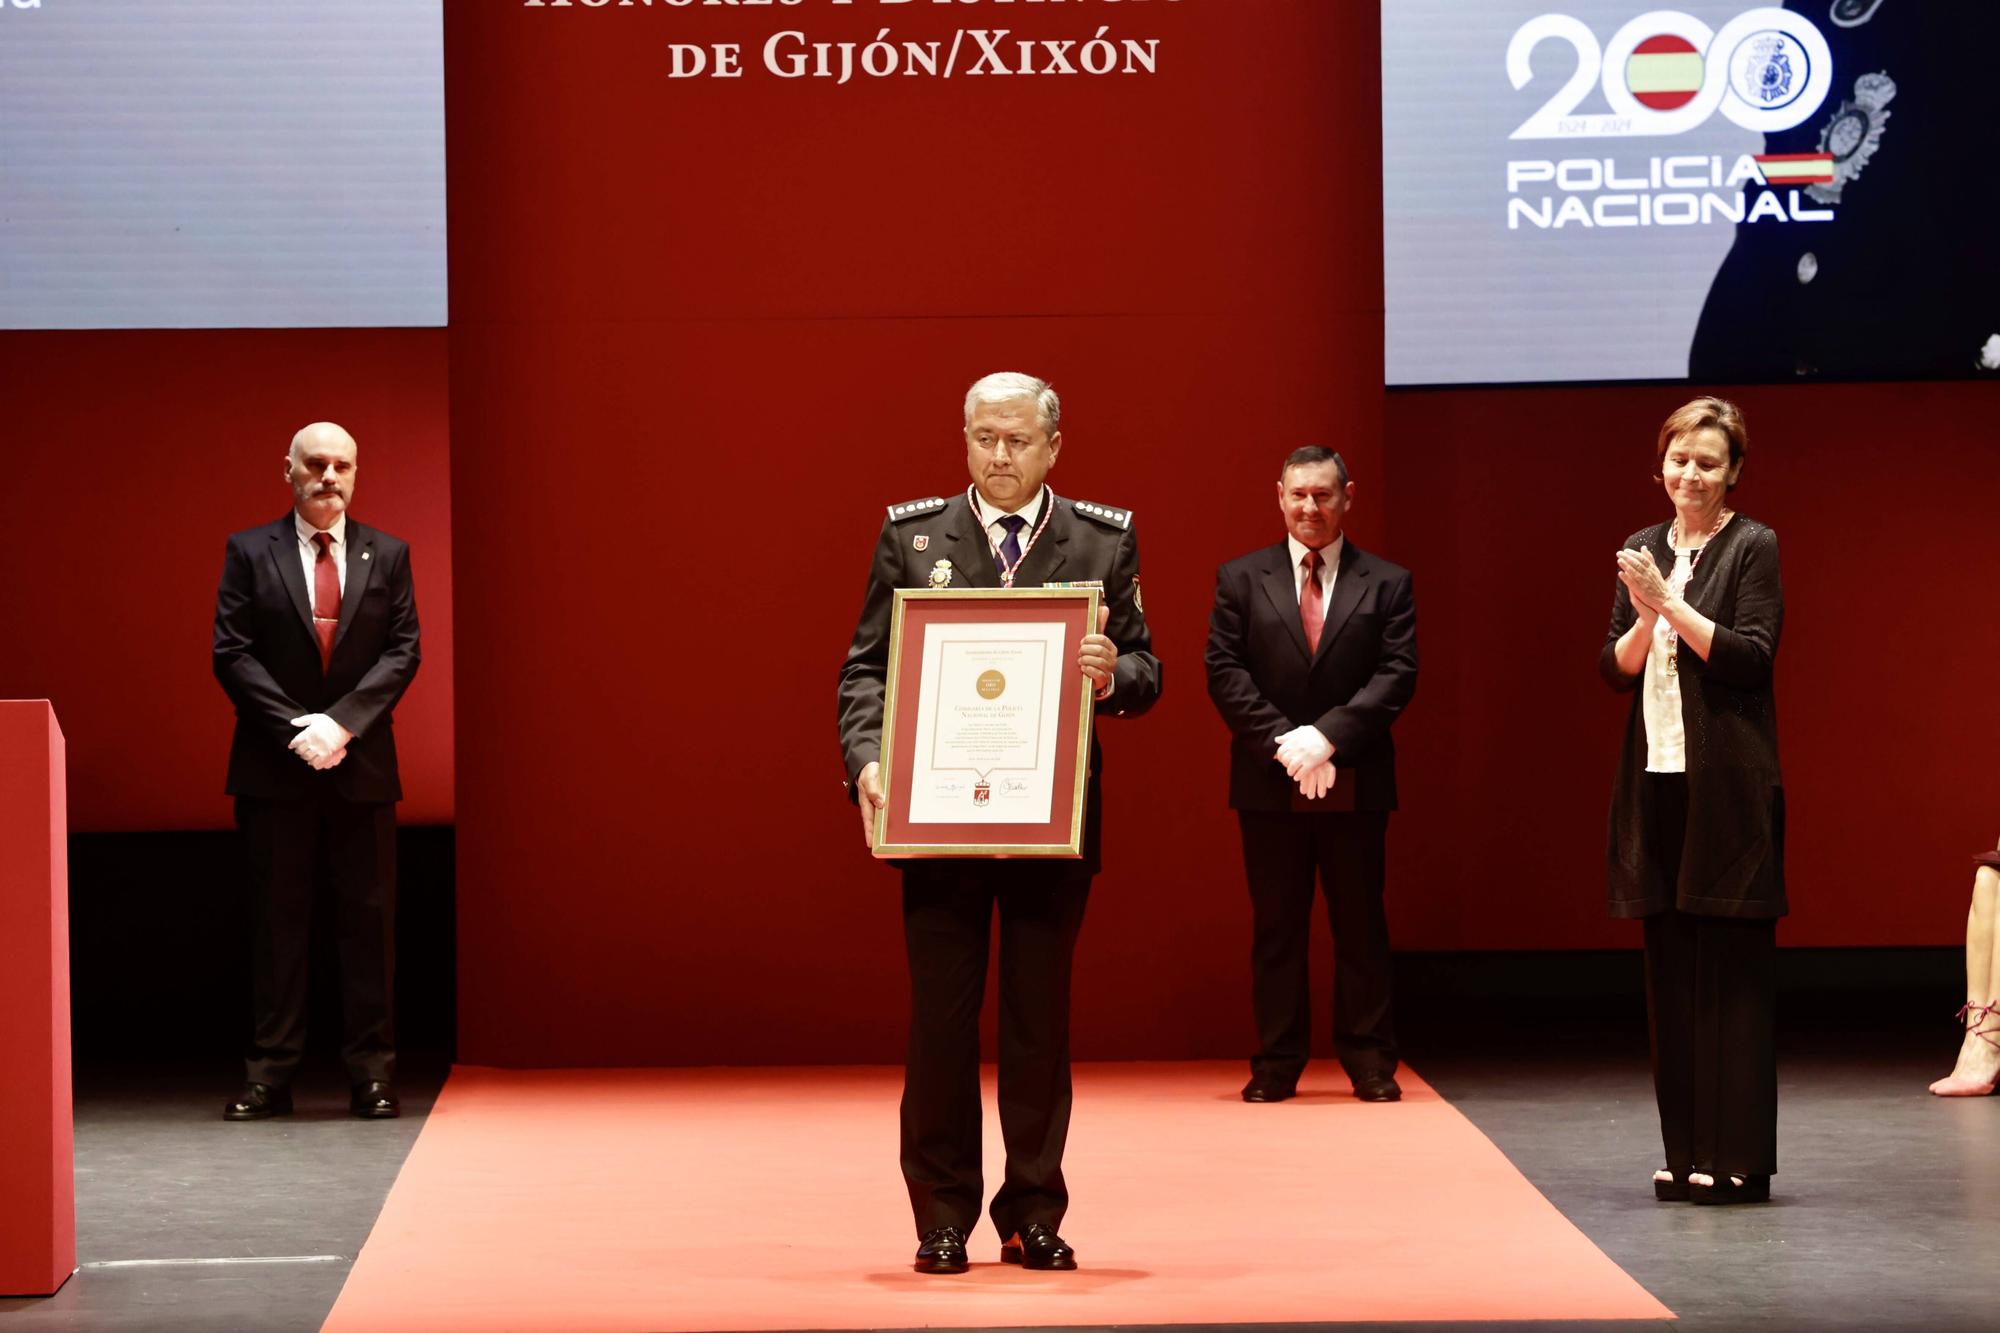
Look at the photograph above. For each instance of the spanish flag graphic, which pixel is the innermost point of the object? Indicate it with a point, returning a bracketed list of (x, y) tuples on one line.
[(1796, 168), (1664, 72)]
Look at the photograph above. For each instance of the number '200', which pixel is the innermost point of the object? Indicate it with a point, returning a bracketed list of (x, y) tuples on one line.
[(1749, 70)]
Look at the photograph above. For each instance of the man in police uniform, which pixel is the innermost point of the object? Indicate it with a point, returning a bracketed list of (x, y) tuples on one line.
[(1007, 529), (1904, 281)]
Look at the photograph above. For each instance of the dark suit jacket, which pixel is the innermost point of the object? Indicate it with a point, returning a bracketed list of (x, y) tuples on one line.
[(1096, 542), (268, 661), (1265, 683)]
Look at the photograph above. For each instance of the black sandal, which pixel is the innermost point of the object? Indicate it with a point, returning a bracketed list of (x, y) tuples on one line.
[(1732, 1189), (1674, 1189)]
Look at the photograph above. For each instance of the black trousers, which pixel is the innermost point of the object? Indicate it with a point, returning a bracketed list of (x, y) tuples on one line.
[(292, 846), (1282, 854), (948, 911), (1711, 1004)]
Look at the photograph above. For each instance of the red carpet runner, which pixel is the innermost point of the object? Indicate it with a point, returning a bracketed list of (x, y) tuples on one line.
[(769, 1199)]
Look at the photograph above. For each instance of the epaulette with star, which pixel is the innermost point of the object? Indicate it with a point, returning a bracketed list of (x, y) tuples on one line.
[(1109, 515), (915, 508)]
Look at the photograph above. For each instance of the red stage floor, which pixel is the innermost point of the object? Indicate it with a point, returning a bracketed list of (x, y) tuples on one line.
[(769, 1199)]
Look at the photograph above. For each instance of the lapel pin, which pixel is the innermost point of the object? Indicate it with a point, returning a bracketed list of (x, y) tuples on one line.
[(364, 555)]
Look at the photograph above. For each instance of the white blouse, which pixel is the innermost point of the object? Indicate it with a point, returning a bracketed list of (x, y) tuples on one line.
[(1660, 689)]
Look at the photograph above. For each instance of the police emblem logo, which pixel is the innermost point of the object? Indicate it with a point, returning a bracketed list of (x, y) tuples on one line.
[(982, 792), (1854, 133), (1769, 69), (920, 542), (941, 574)]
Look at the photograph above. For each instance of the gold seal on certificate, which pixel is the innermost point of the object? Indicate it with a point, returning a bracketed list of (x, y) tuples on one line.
[(987, 731)]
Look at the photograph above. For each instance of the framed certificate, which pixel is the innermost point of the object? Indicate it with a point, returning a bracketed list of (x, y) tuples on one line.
[(986, 723)]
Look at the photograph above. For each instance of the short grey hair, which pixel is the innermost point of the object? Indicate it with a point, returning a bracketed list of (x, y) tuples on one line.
[(1006, 385)]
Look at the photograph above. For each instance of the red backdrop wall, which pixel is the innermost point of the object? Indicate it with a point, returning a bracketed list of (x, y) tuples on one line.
[(129, 456), (703, 332)]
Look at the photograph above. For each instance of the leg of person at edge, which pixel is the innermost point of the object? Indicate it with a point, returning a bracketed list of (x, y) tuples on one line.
[(1979, 1052), (1008, 528), (1696, 846), (1312, 655), (315, 640)]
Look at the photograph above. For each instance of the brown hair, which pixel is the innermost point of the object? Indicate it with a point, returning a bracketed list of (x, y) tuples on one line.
[(1307, 455), (1717, 414)]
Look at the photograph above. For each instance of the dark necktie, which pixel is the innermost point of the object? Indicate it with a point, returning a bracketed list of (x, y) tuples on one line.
[(1312, 602), (326, 598), (1009, 554)]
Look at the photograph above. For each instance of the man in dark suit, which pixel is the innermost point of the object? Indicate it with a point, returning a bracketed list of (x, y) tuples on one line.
[(1007, 529), (1312, 654), (315, 641)]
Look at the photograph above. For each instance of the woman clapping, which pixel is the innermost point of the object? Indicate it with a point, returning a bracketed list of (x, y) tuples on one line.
[(1697, 837)]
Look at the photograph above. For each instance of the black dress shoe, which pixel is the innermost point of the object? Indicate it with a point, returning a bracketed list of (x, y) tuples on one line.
[(1037, 1245), (260, 1101), (942, 1250), (1268, 1088), (1376, 1086), (374, 1100)]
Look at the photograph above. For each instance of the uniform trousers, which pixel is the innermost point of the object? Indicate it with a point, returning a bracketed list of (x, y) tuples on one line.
[(1283, 853), (948, 912), (292, 846), (1711, 1004)]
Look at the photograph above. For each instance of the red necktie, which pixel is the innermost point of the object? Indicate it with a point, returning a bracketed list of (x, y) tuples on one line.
[(326, 598), (1312, 602)]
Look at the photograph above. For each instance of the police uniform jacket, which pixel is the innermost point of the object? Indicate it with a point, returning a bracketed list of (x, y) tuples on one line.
[(1084, 542)]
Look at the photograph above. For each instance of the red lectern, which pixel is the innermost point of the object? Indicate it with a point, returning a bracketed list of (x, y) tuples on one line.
[(37, 1137)]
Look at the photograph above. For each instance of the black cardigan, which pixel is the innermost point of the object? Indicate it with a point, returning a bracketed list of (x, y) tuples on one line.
[(1733, 859)]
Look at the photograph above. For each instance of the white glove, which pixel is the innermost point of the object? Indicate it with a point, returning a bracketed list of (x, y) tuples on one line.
[(321, 741), (1302, 749), (1317, 782)]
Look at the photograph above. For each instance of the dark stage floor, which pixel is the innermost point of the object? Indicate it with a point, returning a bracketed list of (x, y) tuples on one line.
[(1886, 1212)]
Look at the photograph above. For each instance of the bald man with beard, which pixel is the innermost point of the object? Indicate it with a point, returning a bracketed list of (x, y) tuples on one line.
[(315, 640)]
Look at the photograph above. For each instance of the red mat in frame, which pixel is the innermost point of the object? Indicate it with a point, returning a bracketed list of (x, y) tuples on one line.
[(768, 1198)]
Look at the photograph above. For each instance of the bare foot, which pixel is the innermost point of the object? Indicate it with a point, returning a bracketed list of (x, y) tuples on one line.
[(1961, 1087)]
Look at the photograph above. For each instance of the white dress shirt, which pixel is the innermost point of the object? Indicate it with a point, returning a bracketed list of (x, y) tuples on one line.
[(990, 516), (1329, 568), (309, 550)]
